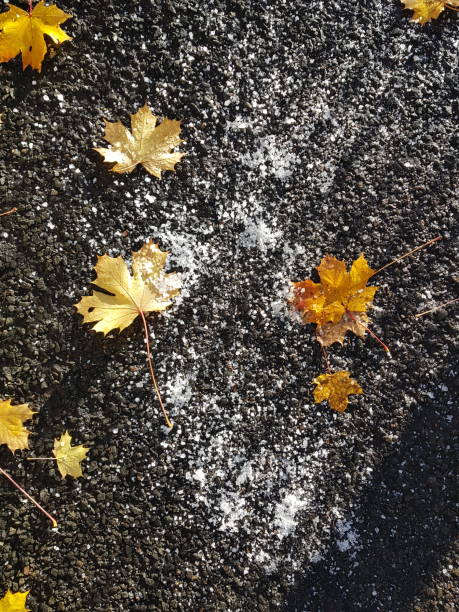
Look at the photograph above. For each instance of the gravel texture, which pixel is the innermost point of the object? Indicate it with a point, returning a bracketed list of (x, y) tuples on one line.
[(311, 128)]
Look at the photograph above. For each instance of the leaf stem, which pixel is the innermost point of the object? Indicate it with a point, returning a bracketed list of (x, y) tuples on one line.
[(152, 372), (8, 212), (325, 357), (385, 347), (426, 244), (30, 7), (41, 458), (52, 519), (421, 314)]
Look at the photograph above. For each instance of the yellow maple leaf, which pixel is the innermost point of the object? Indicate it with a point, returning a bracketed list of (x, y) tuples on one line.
[(14, 602), (12, 431), (22, 32), (147, 144), (339, 298), (69, 457), (425, 10), (335, 388), (148, 289)]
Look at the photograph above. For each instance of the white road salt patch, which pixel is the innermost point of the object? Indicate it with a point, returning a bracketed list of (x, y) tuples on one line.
[(232, 508), (179, 390), (258, 234), (348, 537), (285, 513), (272, 157)]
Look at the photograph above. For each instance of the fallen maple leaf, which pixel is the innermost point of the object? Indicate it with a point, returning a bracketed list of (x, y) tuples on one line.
[(424, 10), (12, 431), (427, 10), (148, 289), (69, 457), (147, 144), (338, 303), (14, 602), (335, 388), (23, 32)]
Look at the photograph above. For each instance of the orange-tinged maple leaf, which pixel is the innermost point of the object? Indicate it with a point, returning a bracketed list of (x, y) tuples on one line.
[(147, 144), (148, 289), (14, 602), (335, 388), (12, 431), (339, 293), (22, 32)]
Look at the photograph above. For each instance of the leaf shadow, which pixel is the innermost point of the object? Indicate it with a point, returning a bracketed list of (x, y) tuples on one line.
[(91, 360)]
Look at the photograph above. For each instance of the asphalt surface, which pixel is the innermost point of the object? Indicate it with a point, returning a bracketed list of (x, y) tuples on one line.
[(315, 128)]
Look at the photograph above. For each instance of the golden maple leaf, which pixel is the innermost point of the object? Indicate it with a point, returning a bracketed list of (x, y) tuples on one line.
[(424, 10), (335, 388), (338, 303), (427, 10), (22, 32), (147, 144), (14, 602), (148, 289), (69, 457), (12, 431)]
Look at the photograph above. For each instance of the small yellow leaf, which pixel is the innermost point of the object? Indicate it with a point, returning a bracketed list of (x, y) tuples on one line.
[(335, 388), (147, 144), (12, 431), (14, 602), (148, 289), (24, 33), (69, 457)]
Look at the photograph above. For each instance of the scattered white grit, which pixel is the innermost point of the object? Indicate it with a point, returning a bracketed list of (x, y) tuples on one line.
[(258, 234), (348, 537), (285, 514), (272, 157)]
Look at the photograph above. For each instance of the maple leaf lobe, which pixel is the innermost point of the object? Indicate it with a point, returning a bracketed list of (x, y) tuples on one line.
[(336, 388), (24, 33), (147, 143), (12, 431), (335, 332), (14, 602)]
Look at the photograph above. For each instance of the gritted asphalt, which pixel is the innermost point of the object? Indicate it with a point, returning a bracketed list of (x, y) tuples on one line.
[(310, 128)]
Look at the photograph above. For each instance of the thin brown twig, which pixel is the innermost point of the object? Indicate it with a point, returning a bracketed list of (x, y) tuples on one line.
[(18, 486), (8, 212), (325, 357), (385, 347), (152, 372), (409, 253), (421, 314)]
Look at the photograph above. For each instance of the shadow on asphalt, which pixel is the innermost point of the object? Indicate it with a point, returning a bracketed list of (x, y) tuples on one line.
[(405, 523)]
